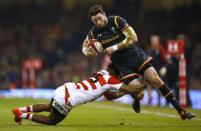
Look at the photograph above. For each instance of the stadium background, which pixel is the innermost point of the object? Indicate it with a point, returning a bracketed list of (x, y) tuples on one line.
[(51, 32)]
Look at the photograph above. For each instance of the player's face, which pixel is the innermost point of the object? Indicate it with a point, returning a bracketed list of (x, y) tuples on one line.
[(99, 20)]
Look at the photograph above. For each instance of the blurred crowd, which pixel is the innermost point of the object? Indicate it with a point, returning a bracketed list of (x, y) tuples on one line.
[(53, 33)]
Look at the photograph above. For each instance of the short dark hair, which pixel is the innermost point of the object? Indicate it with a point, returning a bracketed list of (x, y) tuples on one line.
[(95, 9)]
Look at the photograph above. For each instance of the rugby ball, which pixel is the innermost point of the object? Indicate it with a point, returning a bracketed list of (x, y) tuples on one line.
[(95, 46)]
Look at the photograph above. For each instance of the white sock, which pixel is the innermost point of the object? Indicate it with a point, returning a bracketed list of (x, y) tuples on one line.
[(26, 116), (26, 108)]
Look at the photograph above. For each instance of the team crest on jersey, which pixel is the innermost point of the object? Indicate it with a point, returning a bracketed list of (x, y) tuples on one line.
[(113, 30)]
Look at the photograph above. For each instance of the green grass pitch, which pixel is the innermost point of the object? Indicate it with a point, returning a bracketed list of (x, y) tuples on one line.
[(101, 116)]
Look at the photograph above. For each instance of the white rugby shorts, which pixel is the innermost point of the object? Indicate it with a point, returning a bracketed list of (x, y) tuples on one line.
[(60, 100)]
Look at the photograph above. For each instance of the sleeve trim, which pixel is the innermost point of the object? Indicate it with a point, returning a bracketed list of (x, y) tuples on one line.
[(125, 27), (115, 21)]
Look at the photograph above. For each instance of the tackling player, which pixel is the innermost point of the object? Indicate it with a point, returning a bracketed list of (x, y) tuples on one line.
[(118, 39), (70, 95)]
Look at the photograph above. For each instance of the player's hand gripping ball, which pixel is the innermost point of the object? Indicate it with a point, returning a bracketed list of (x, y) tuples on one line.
[(94, 47)]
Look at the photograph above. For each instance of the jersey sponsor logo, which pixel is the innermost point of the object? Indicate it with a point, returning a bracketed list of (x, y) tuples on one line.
[(110, 39), (113, 30)]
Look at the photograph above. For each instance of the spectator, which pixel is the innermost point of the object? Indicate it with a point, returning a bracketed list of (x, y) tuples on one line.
[(157, 51)]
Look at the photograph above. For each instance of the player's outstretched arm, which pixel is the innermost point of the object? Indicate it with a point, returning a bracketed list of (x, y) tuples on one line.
[(132, 89), (111, 95)]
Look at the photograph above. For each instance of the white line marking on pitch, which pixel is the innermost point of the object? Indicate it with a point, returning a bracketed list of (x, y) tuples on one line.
[(143, 112)]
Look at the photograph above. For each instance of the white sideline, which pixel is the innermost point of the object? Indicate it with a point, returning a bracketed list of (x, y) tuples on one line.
[(143, 112)]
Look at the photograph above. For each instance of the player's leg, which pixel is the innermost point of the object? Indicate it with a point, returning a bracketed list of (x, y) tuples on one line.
[(131, 78), (60, 106), (23, 112), (134, 79), (41, 107), (136, 96), (52, 119), (152, 76), (35, 108)]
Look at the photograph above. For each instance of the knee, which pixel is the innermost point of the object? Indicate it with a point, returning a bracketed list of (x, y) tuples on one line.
[(140, 95), (51, 122), (49, 108)]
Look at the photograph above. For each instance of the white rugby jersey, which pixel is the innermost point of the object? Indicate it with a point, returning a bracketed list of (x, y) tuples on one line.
[(92, 88)]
